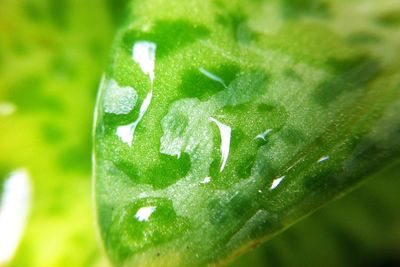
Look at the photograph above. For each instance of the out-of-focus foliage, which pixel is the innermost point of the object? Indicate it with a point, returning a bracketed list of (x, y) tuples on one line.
[(52, 53)]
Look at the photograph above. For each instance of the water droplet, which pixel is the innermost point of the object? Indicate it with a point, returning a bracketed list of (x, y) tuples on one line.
[(144, 213), (126, 132), (225, 132), (263, 134), (323, 158), (212, 76), (119, 99), (276, 182), (144, 53), (206, 180)]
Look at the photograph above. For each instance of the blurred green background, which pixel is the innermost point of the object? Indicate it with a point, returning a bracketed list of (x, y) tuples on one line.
[(52, 54)]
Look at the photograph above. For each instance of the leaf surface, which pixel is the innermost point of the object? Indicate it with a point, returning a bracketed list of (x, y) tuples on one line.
[(248, 117)]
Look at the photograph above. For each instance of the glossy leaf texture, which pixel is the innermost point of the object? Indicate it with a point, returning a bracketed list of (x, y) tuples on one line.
[(361, 229), (221, 123)]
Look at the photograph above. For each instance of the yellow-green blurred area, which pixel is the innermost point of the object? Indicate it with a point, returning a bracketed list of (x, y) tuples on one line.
[(52, 54)]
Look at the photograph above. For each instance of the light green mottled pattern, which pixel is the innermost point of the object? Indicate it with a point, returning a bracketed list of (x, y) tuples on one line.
[(52, 54), (325, 84)]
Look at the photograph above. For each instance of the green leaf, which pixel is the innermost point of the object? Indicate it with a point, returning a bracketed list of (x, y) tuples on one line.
[(252, 116), (359, 229)]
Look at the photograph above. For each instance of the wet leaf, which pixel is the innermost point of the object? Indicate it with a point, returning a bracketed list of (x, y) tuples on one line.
[(239, 154)]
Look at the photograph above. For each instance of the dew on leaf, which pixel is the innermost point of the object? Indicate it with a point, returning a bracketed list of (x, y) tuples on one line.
[(143, 214), (322, 159), (264, 134), (119, 99), (144, 54), (276, 182), (225, 132), (199, 84), (126, 132), (128, 235)]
